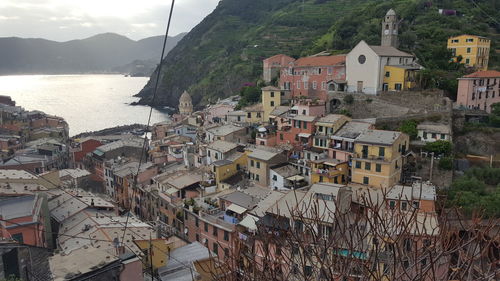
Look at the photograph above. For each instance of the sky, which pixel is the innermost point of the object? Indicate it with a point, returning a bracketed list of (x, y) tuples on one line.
[(63, 20)]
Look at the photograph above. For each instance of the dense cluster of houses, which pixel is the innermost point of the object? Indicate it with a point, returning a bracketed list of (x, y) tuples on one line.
[(200, 191)]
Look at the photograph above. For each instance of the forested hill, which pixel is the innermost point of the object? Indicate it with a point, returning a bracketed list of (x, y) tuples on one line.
[(226, 49), (99, 53)]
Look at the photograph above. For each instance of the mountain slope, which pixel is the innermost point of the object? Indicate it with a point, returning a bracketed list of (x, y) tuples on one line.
[(99, 53), (226, 49)]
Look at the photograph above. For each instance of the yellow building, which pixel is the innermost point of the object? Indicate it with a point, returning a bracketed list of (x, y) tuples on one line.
[(399, 77), (254, 114), (474, 50), (272, 97), (229, 167), (327, 126), (378, 157), (159, 249), (329, 170)]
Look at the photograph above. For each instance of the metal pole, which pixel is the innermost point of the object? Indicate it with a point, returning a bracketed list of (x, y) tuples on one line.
[(432, 166)]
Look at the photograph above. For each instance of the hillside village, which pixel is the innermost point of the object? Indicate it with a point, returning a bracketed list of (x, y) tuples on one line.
[(308, 183)]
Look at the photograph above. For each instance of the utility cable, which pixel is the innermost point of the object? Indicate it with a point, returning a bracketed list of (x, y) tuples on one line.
[(158, 75)]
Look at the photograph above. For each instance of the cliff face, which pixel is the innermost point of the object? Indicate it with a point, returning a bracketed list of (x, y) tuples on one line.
[(227, 48)]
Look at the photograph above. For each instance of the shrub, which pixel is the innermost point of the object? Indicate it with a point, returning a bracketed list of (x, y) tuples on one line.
[(439, 147), (349, 99), (445, 163), (409, 127), (345, 112)]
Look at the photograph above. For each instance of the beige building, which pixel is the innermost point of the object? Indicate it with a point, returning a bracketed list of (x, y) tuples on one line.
[(259, 165)]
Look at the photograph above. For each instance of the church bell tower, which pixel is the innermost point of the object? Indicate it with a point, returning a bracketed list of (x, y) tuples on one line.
[(390, 26)]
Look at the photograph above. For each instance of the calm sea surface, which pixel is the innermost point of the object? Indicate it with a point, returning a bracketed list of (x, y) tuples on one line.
[(86, 102)]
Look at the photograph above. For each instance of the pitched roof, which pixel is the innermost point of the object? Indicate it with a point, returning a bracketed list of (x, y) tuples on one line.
[(253, 108), (320, 60), (388, 51), (271, 88), (262, 154), (380, 137), (222, 146), (483, 74)]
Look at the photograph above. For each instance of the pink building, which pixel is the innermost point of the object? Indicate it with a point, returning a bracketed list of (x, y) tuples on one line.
[(309, 108), (22, 220), (272, 66), (479, 90), (314, 76), (218, 111)]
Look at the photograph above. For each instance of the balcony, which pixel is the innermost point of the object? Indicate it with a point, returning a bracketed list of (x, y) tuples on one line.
[(343, 146), (371, 157)]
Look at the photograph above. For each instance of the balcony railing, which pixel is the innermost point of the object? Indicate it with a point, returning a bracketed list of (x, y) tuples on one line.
[(371, 157)]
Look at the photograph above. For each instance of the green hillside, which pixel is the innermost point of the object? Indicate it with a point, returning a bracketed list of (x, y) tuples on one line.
[(226, 49)]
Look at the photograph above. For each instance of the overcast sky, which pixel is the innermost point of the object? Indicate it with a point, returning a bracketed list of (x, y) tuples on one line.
[(64, 20)]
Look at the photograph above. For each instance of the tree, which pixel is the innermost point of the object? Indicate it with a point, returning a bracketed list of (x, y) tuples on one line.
[(327, 239), (409, 127), (439, 147), (495, 115), (445, 163)]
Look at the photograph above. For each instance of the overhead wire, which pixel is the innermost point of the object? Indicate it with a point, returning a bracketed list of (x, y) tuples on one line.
[(155, 90)]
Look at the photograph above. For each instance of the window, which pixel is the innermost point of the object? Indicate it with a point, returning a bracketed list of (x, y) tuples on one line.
[(329, 70), (272, 103), (320, 129), (249, 115), (257, 164), (275, 178), (281, 136), (469, 40), (358, 164), (392, 204), (366, 180), (216, 249), (455, 41), (361, 59), (306, 86), (398, 86), (442, 136), (381, 151), (404, 206), (251, 163), (425, 135), (298, 85), (433, 135), (323, 85), (197, 237), (368, 166), (196, 222), (315, 85), (226, 235), (305, 125), (320, 178), (215, 231), (18, 237), (205, 226), (258, 115), (387, 74), (209, 153), (272, 94), (378, 168), (256, 177), (467, 61), (416, 204)]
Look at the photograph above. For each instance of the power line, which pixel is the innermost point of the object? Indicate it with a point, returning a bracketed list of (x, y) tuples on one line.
[(150, 112), (484, 12)]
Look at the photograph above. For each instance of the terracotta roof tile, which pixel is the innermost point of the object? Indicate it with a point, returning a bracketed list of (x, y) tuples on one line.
[(483, 74), (320, 60)]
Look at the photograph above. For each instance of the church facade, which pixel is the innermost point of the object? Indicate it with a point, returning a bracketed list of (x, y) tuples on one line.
[(372, 69)]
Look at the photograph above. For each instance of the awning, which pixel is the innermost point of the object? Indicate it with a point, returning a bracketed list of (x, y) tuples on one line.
[(249, 222), (304, 135), (171, 191), (236, 208), (295, 178)]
